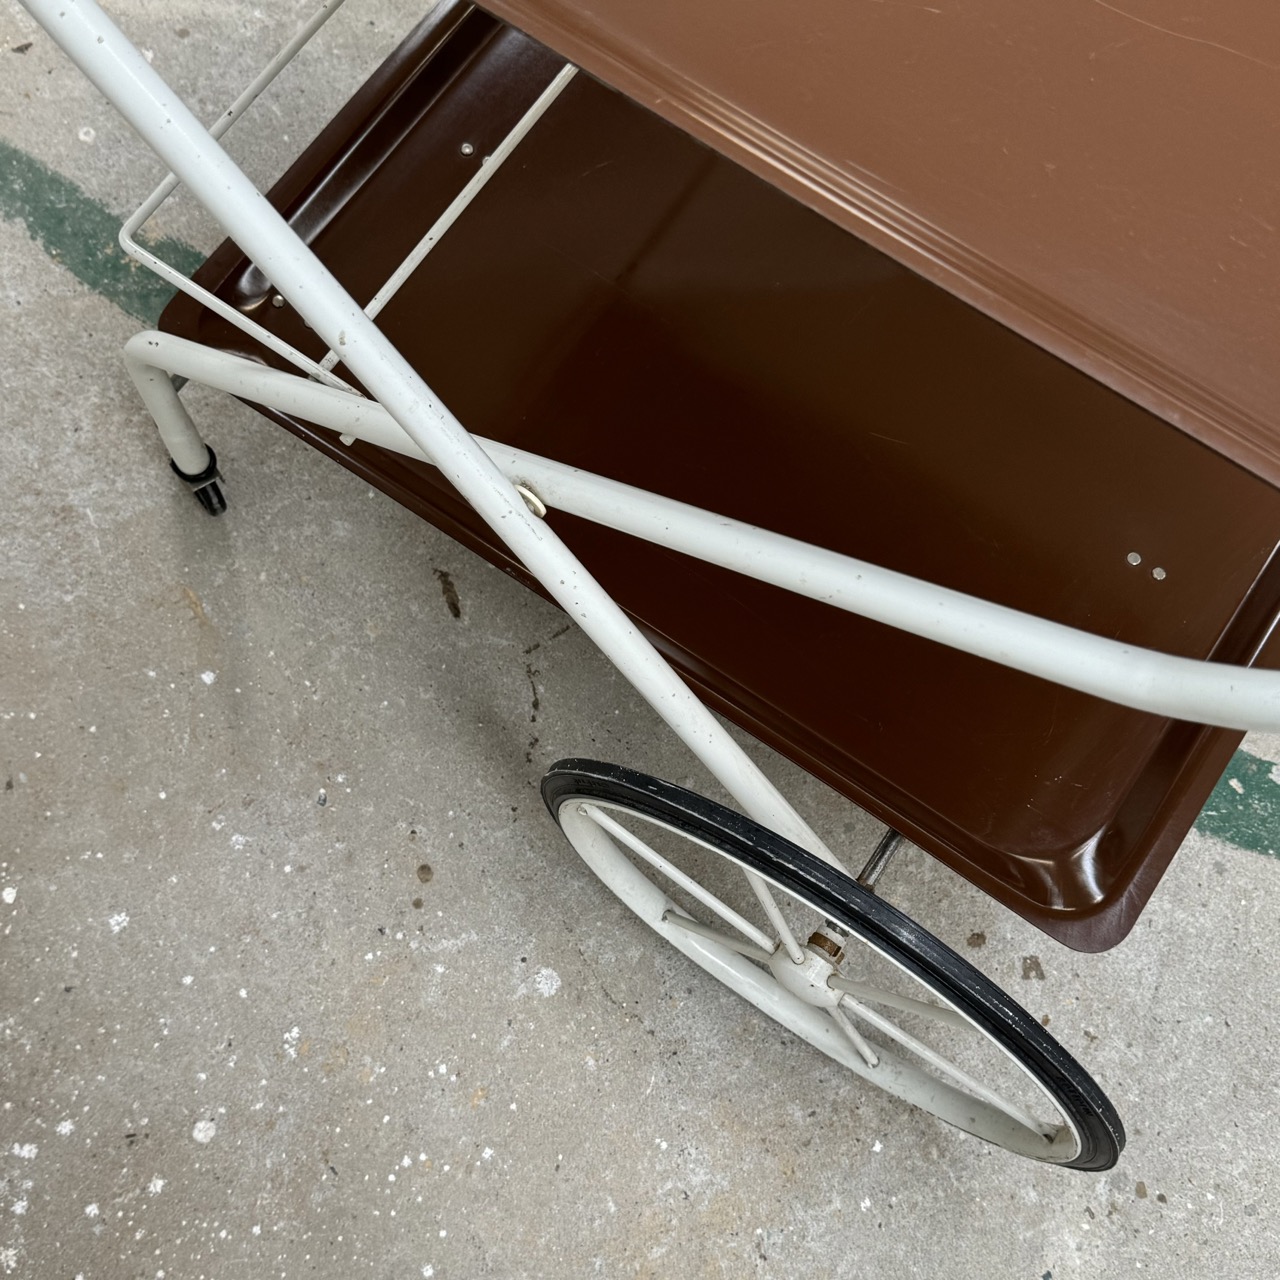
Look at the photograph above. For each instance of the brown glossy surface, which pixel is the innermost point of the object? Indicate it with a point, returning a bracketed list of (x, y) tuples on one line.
[(626, 300), (1099, 176)]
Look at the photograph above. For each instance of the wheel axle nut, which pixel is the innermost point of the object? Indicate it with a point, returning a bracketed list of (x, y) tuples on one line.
[(833, 946)]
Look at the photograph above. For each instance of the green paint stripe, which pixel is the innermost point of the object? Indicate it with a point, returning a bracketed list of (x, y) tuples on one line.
[(1244, 808), (80, 233)]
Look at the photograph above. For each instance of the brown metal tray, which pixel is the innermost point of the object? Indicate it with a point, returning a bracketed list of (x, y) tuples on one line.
[(621, 298), (1099, 177)]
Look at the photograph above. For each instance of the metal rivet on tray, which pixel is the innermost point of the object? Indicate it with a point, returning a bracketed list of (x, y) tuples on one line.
[(467, 149), (1133, 558), (1159, 575), (277, 300)]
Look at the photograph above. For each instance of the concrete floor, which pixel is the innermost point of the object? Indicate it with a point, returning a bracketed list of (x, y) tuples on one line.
[(243, 1036)]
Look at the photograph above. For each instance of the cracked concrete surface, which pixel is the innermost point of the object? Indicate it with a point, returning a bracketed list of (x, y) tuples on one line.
[(296, 976)]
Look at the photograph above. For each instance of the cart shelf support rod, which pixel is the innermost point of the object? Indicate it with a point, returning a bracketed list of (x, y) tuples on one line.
[(1145, 679)]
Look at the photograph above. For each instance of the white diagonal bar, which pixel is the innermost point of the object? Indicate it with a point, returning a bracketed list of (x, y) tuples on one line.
[(904, 1004), (674, 874), (726, 940), (865, 1051), (947, 1068), (765, 899)]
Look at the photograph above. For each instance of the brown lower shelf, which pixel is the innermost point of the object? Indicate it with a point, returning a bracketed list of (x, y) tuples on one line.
[(624, 300)]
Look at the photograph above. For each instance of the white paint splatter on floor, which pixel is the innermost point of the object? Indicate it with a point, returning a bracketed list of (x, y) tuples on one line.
[(208, 676), (118, 921), (26, 1150), (547, 981), (454, 944), (9, 894), (204, 1131)]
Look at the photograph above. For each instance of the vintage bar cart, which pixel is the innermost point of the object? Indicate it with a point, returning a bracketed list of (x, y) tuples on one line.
[(817, 358)]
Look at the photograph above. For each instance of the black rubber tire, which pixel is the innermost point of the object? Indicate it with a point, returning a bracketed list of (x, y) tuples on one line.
[(846, 903)]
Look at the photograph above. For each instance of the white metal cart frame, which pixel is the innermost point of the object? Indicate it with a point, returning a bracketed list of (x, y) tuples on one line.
[(512, 490)]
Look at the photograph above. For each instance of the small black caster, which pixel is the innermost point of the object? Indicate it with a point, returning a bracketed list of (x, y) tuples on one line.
[(205, 485)]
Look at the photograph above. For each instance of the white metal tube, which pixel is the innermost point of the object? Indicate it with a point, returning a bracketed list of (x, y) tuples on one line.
[(786, 938), (128, 82), (273, 342), (170, 415), (1145, 679), (672, 916), (946, 1067), (1184, 688), (863, 993), (675, 875), (865, 1051)]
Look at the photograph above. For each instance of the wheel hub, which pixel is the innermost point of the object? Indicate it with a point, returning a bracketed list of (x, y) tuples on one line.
[(808, 979)]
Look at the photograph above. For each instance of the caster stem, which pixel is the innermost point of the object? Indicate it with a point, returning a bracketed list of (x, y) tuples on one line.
[(204, 484)]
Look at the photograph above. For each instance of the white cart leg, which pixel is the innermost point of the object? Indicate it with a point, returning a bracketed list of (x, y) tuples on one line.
[(193, 461)]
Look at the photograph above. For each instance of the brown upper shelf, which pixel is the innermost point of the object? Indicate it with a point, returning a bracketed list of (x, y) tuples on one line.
[(1102, 178)]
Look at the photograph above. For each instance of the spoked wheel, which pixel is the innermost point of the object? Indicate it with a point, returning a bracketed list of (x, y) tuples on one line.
[(807, 945)]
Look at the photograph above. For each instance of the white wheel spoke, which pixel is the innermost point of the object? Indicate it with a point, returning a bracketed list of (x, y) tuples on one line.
[(785, 936), (939, 1063), (904, 1004), (865, 1051), (740, 945), (673, 873)]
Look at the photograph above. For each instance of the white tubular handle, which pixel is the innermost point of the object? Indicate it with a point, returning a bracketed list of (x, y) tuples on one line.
[(1183, 688), (128, 82)]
